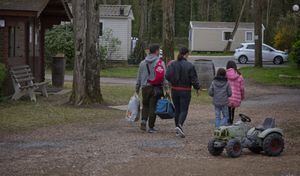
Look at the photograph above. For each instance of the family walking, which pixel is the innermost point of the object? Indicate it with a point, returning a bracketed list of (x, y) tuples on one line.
[(155, 80)]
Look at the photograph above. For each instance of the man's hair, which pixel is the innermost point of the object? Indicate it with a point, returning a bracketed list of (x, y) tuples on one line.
[(221, 72), (154, 48)]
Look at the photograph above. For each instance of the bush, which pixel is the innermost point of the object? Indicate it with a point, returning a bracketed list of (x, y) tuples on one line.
[(2, 77), (294, 56), (60, 39), (286, 32), (109, 46)]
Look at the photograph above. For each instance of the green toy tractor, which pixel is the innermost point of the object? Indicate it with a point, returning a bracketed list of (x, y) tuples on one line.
[(264, 138)]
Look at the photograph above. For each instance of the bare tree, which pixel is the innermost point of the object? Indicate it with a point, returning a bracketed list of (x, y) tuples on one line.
[(86, 82), (208, 10), (258, 9), (237, 23), (168, 29)]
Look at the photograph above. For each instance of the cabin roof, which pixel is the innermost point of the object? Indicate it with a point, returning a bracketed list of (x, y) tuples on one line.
[(32, 5), (211, 24), (115, 10)]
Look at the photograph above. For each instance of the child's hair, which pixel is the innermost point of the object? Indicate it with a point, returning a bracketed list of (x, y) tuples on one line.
[(232, 64), (221, 72), (183, 51)]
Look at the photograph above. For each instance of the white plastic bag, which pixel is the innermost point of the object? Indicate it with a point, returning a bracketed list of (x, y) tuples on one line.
[(133, 109)]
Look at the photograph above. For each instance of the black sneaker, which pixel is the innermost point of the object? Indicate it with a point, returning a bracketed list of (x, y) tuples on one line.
[(180, 132), (152, 130), (143, 125)]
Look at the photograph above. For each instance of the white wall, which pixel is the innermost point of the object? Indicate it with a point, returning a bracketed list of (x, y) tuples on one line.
[(121, 28)]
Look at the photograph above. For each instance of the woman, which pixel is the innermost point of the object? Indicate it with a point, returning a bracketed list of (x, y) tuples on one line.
[(182, 75), (236, 82)]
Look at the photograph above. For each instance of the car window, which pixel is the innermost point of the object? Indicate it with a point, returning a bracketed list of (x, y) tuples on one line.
[(266, 48), (241, 46), (250, 47)]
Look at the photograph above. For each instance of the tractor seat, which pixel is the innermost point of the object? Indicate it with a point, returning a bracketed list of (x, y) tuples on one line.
[(268, 123)]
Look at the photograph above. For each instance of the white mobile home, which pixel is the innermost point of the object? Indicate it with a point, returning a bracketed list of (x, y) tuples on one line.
[(118, 18), (213, 36)]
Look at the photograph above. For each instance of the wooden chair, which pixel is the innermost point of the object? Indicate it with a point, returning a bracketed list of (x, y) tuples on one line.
[(24, 84)]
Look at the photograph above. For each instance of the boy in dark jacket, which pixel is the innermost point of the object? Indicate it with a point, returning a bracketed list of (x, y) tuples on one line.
[(220, 91)]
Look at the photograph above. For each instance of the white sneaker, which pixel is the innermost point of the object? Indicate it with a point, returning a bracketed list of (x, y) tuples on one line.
[(180, 132)]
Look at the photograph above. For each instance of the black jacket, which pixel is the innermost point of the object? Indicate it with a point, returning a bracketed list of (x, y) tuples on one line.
[(181, 73)]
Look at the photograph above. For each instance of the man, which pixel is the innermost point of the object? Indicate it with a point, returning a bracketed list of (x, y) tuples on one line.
[(151, 77)]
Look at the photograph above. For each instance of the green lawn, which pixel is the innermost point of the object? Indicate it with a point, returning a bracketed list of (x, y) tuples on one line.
[(120, 72), (211, 53), (270, 76)]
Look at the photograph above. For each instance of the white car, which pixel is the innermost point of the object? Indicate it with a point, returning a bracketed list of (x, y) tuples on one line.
[(246, 53)]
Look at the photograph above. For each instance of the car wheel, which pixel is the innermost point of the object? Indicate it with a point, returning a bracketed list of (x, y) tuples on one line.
[(278, 60), (273, 144), (234, 148), (243, 59), (215, 151)]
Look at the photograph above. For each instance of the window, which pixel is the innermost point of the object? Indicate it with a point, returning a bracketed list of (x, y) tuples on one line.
[(265, 48), (250, 47), (249, 36), (226, 36), (11, 41), (100, 29)]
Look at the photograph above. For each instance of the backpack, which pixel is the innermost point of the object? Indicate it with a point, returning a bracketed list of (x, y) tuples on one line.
[(159, 73)]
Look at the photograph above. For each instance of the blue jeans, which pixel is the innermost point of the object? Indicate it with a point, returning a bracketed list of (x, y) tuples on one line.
[(221, 110)]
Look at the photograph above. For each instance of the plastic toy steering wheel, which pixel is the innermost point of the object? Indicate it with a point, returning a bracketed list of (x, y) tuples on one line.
[(244, 118)]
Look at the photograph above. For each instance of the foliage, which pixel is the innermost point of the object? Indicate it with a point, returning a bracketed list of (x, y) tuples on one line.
[(286, 32), (294, 56), (109, 46), (270, 76), (60, 39), (2, 76)]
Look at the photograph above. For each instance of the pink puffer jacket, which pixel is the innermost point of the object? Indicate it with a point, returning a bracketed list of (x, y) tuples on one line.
[(236, 83)]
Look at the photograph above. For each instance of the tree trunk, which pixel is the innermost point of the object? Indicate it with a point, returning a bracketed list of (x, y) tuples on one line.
[(208, 11), (86, 78), (168, 29), (139, 51), (237, 23), (258, 9), (149, 22)]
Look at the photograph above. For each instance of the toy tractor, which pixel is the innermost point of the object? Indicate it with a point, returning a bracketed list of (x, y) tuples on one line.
[(234, 138)]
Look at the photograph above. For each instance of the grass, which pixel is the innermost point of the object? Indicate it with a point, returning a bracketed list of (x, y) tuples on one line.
[(270, 76), (211, 53), (120, 72), (24, 115)]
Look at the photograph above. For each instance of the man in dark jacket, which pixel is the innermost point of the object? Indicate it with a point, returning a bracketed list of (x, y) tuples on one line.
[(182, 75)]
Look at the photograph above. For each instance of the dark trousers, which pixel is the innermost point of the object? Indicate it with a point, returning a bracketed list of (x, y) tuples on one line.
[(231, 115), (149, 105), (181, 100)]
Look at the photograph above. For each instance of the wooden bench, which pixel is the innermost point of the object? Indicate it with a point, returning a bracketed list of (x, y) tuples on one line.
[(24, 84)]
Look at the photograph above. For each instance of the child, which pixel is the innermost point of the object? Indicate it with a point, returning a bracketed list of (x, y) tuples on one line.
[(220, 91), (236, 82)]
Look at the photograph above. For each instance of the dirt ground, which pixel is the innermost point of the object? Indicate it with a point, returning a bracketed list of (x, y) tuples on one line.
[(114, 147)]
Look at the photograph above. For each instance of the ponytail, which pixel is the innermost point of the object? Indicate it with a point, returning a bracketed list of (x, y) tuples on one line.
[(183, 51)]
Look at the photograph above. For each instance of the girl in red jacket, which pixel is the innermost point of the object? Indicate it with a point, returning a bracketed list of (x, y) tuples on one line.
[(236, 82)]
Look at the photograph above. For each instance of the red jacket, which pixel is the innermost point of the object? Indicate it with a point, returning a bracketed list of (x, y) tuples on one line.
[(236, 82)]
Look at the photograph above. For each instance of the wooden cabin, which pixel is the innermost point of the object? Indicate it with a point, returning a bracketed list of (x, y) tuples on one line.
[(22, 31)]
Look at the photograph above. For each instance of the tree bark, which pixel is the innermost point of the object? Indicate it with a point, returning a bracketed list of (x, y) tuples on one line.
[(86, 78), (258, 8), (168, 29), (208, 11), (237, 23), (139, 50)]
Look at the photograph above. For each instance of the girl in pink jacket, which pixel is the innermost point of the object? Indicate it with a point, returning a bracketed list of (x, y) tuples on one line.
[(236, 82)]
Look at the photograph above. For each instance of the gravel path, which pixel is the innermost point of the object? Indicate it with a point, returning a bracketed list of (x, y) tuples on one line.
[(114, 147)]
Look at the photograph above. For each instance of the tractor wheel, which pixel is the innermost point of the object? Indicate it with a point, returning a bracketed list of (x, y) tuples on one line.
[(273, 144), (233, 148), (215, 151), (256, 149)]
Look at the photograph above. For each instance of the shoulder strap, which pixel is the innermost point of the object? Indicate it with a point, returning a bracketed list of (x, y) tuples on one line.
[(148, 68)]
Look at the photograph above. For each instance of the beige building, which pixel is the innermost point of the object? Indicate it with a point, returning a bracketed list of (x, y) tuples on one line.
[(213, 36)]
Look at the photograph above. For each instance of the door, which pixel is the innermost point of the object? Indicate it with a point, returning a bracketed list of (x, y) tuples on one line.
[(250, 52), (267, 53), (16, 43)]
